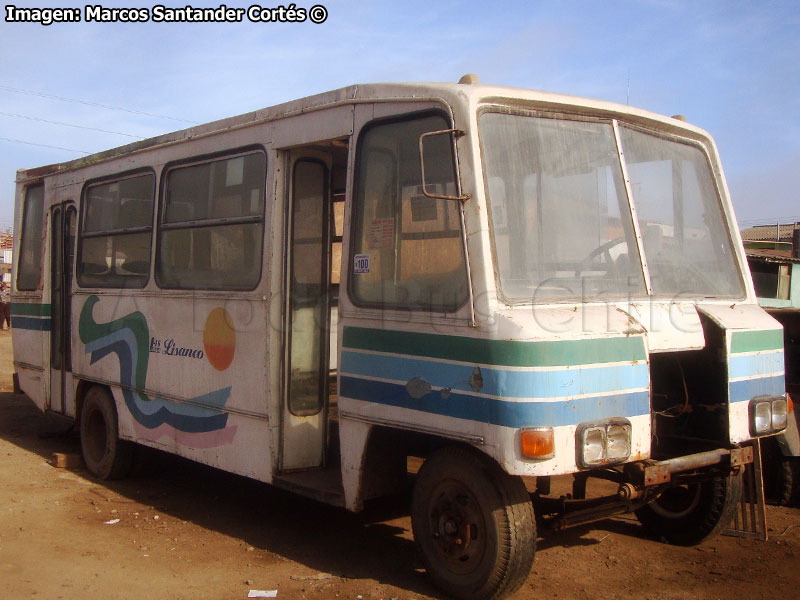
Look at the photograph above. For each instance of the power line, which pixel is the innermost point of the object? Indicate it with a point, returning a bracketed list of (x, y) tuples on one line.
[(44, 145), (70, 125), (87, 103)]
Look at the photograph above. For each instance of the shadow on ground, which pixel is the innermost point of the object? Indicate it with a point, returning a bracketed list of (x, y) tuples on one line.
[(373, 545), (321, 537)]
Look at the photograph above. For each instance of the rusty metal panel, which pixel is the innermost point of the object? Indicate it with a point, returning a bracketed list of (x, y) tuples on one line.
[(742, 456), (656, 474)]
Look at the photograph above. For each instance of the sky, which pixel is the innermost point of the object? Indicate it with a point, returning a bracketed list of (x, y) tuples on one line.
[(731, 67)]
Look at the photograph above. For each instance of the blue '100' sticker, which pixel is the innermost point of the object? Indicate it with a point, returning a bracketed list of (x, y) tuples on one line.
[(361, 263)]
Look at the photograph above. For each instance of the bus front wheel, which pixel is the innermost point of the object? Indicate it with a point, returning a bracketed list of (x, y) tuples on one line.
[(686, 515), (105, 455), (474, 524)]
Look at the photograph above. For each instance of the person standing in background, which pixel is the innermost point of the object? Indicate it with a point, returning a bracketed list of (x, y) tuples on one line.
[(5, 306)]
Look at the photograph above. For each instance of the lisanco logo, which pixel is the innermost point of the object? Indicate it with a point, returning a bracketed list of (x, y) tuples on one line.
[(170, 348)]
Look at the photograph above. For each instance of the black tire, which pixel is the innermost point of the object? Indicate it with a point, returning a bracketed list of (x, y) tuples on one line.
[(686, 515), (104, 454), (784, 487), (788, 492), (781, 474), (474, 524)]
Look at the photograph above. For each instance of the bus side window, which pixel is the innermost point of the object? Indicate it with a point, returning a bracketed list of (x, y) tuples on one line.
[(407, 248), (29, 267), (116, 232), (212, 224), (137, 255)]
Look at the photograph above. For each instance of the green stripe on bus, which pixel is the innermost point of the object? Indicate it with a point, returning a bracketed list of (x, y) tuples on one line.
[(497, 352), (30, 310), (753, 341)]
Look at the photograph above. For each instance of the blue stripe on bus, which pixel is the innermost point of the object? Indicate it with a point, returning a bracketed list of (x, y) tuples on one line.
[(555, 383), (744, 391), (755, 364), (498, 412), (31, 323)]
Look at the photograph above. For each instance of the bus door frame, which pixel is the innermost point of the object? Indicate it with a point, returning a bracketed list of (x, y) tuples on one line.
[(62, 233)]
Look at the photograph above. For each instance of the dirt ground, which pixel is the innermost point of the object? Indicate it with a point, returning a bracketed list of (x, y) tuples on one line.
[(189, 531)]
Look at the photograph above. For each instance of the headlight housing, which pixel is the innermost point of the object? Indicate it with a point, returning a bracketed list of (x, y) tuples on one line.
[(603, 443), (768, 414)]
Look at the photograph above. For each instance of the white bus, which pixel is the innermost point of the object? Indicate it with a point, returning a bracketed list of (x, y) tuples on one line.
[(506, 283)]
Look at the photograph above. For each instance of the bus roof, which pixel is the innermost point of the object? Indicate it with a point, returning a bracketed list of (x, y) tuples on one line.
[(473, 93)]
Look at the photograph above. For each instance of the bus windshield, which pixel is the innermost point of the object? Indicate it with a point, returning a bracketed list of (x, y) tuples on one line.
[(561, 220)]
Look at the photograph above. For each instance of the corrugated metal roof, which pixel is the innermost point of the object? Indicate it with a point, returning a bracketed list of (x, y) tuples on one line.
[(769, 232), (768, 255)]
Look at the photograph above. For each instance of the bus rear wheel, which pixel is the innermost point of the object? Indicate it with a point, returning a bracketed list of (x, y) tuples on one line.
[(474, 524), (686, 515), (106, 456)]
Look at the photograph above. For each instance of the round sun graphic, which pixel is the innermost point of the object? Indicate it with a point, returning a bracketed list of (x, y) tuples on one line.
[(219, 339)]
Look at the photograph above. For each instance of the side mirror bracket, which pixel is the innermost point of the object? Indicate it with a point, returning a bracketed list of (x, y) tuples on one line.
[(456, 133)]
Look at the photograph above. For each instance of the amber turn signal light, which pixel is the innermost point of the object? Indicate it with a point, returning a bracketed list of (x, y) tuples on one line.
[(537, 442)]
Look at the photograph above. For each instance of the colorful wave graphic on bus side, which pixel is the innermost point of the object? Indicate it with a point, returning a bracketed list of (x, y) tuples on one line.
[(128, 338)]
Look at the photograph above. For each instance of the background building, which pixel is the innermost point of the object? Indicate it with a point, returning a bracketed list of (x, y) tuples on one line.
[(6, 245)]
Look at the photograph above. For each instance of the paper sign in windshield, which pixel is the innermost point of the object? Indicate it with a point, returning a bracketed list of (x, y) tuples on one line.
[(381, 234)]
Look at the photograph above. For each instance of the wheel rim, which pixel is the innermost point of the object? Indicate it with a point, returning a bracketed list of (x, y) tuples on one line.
[(96, 436), (677, 502), (457, 528)]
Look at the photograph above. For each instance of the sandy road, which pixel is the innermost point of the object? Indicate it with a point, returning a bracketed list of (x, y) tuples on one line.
[(189, 531)]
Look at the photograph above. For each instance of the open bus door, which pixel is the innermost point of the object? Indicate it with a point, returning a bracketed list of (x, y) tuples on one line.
[(62, 236), (308, 313)]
